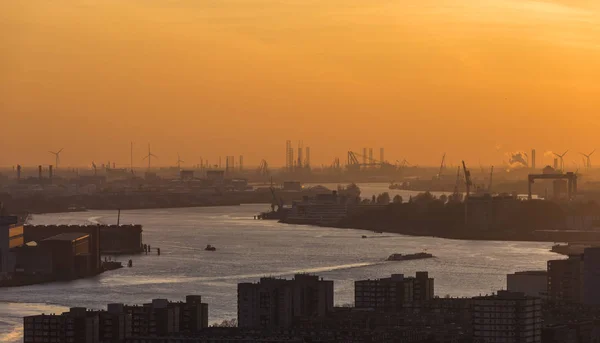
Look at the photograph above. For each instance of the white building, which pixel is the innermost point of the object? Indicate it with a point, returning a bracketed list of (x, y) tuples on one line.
[(533, 283), (507, 317)]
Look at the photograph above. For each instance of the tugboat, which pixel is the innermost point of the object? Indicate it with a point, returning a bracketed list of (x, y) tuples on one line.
[(364, 236), (210, 248), (417, 256)]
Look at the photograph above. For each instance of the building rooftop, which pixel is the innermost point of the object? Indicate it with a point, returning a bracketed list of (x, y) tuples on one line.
[(532, 272), (67, 236), (507, 295)]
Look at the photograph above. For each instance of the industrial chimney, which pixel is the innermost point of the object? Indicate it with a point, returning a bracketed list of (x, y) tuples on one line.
[(40, 172), (18, 172), (555, 163), (50, 172), (533, 158)]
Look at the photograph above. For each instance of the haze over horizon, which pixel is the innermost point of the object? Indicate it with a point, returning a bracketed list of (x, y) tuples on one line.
[(473, 78)]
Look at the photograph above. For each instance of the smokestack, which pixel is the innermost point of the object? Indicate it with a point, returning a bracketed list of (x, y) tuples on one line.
[(555, 163), (241, 162), (18, 172), (381, 155), (364, 155), (307, 157), (300, 161), (532, 164), (50, 171), (370, 155), (40, 172)]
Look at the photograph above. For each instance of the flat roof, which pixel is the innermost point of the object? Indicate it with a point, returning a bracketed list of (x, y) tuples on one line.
[(67, 236)]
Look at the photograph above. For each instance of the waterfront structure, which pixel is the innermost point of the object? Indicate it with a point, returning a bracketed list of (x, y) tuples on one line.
[(565, 279), (390, 294), (533, 283), (105, 239), (275, 303), (490, 213), (11, 235), (591, 276), (507, 317), (323, 209)]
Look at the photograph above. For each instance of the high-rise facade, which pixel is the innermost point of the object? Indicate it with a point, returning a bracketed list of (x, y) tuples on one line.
[(274, 303), (390, 294), (507, 317)]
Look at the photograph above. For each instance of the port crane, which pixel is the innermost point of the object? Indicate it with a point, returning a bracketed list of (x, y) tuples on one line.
[(468, 181), (491, 178), (263, 168), (442, 165), (353, 162)]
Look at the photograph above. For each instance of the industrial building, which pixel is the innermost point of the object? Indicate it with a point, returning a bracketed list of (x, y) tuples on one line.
[(275, 303), (11, 236), (391, 294), (507, 317)]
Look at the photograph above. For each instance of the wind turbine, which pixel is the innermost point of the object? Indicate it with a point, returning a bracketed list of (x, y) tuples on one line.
[(588, 160), (149, 157), (57, 156), (562, 162), (179, 160)]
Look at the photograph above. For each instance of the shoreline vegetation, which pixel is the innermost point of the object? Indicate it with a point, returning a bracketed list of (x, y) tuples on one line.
[(445, 217)]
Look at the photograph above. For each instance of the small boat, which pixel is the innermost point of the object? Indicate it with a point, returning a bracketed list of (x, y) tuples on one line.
[(210, 248), (111, 265), (417, 256), (364, 236)]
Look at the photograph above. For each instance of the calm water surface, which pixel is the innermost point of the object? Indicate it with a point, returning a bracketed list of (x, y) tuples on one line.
[(249, 249)]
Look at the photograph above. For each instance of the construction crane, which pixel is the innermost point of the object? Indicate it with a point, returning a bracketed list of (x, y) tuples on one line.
[(468, 181), (439, 175), (491, 178), (263, 168)]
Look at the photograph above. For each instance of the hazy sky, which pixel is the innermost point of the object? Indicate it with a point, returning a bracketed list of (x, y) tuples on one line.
[(204, 78)]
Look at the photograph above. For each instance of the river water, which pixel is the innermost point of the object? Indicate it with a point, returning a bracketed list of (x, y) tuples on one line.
[(248, 249)]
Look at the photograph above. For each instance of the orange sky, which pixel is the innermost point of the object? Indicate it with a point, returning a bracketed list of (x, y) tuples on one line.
[(230, 77)]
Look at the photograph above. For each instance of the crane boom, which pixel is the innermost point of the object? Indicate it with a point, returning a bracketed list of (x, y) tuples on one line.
[(468, 181), (439, 175), (491, 178)]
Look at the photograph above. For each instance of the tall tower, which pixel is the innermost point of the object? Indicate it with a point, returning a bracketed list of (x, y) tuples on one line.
[(364, 156), (370, 155), (381, 156), (307, 163), (300, 162), (289, 156), (532, 159), (241, 164)]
